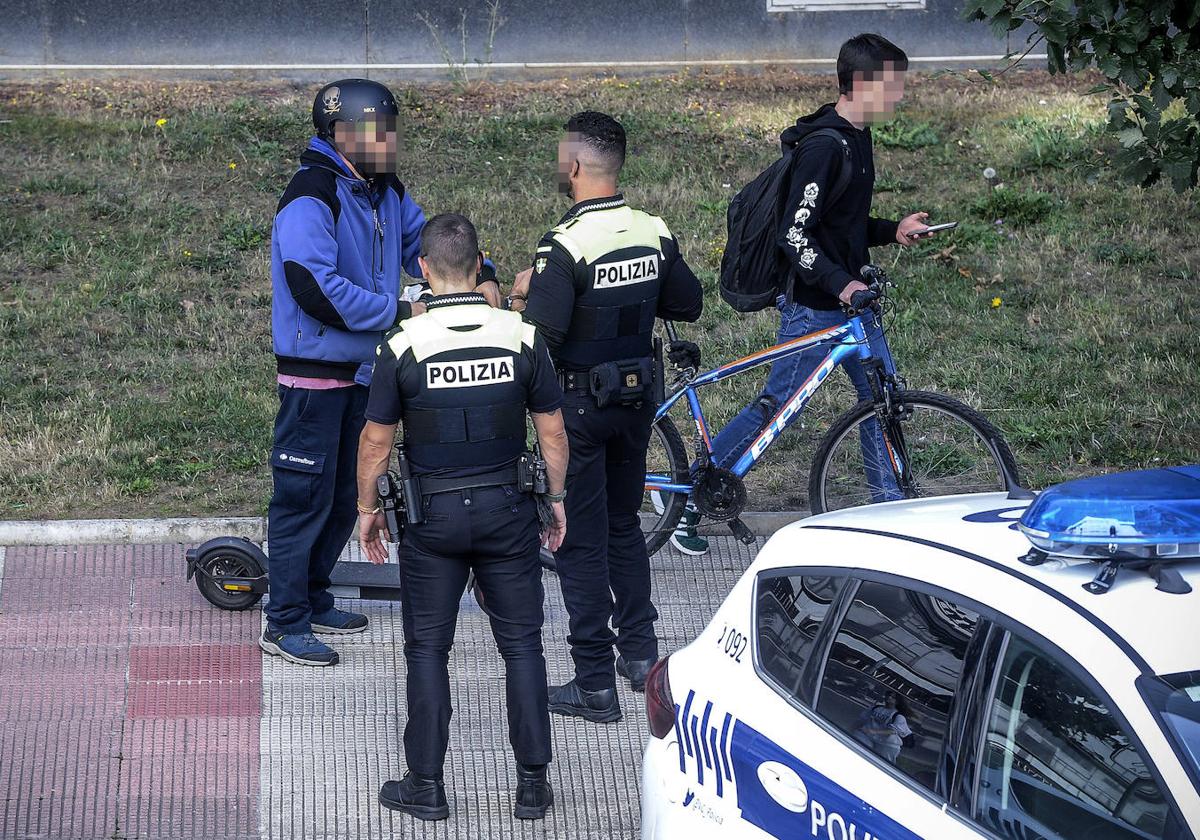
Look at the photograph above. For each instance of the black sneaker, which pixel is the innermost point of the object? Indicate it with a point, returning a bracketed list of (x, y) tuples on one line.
[(534, 794), (597, 706), (425, 799), (635, 670), (301, 648)]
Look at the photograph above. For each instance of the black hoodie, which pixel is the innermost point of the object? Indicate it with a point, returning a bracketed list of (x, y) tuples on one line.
[(826, 244)]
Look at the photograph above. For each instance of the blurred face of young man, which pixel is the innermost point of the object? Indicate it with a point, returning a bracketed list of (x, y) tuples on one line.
[(876, 96), (568, 164), (371, 145)]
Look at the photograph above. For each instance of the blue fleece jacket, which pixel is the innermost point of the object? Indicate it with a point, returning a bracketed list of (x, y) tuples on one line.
[(337, 249)]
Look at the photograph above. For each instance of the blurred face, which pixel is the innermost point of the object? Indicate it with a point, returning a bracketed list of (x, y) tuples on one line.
[(371, 145), (568, 164), (878, 95)]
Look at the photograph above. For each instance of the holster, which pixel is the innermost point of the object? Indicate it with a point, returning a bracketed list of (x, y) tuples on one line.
[(623, 382)]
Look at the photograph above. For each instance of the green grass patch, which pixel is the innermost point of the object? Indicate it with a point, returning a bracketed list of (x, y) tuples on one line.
[(135, 268)]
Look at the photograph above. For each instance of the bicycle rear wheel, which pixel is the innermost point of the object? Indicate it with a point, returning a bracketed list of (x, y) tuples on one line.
[(950, 448), (666, 458)]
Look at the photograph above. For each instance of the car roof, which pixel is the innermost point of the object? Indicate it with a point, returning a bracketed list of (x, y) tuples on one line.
[(980, 527)]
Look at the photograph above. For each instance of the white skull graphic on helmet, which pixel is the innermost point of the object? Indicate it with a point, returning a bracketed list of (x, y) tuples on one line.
[(332, 100)]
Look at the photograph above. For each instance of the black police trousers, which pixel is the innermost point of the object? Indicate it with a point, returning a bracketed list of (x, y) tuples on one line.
[(602, 564), (312, 513), (493, 530)]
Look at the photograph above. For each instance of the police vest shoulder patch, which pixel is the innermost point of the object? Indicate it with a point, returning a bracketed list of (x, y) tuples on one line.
[(625, 272), (470, 373)]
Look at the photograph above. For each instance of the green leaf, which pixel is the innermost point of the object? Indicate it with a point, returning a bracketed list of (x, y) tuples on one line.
[(1170, 75), (991, 8), (1055, 31), (1130, 136), (986, 76), (1105, 8), (1193, 103), (1055, 59), (1126, 44), (1110, 66), (1134, 77), (1000, 24), (1098, 89), (1162, 98), (1181, 172)]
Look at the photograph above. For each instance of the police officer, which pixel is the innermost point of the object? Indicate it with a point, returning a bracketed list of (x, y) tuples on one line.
[(462, 377), (599, 279), (343, 230)]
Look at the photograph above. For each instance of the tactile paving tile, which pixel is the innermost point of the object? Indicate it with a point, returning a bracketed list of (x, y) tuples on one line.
[(129, 708)]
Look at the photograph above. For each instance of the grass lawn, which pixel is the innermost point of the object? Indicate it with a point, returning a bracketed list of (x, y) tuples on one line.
[(136, 375)]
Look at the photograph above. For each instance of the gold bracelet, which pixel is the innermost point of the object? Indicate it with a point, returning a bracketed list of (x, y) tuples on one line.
[(368, 511)]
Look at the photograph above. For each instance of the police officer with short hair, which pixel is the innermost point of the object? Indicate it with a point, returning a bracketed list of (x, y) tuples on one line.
[(462, 377), (599, 279)]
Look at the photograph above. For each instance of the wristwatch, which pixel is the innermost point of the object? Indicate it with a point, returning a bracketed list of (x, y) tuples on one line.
[(557, 497)]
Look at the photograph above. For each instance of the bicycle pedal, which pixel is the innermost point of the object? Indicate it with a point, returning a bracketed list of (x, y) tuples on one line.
[(743, 533)]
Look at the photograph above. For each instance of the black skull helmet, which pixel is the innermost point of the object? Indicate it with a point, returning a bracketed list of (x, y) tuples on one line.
[(351, 100)]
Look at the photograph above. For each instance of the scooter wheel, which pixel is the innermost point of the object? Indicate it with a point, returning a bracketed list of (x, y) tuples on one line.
[(220, 564)]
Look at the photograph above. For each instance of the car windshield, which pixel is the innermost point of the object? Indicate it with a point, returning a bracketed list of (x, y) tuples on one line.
[(1177, 698)]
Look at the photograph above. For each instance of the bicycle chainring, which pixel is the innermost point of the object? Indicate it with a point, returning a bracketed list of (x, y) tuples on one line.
[(719, 494)]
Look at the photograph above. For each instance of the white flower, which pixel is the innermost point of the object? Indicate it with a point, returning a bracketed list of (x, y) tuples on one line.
[(810, 192), (808, 258), (989, 173), (802, 215)]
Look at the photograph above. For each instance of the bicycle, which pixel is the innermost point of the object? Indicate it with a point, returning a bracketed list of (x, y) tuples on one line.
[(931, 444)]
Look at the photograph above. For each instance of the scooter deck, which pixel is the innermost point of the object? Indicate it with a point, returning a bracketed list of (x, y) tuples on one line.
[(353, 579)]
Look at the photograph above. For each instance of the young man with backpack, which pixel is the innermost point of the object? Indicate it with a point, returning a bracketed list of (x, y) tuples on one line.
[(799, 234)]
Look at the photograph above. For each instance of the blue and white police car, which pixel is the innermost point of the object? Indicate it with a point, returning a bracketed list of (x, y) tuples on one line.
[(958, 667)]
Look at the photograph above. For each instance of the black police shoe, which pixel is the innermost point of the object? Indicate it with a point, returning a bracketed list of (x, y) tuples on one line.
[(635, 670), (425, 799), (534, 794), (597, 706)]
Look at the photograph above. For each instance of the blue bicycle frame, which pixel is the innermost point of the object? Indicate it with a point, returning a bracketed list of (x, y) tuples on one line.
[(849, 340)]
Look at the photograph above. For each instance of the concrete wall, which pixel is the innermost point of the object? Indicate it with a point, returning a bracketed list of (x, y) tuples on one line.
[(298, 34)]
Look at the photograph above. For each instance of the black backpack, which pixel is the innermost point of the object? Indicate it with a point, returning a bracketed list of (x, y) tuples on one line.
[(753, 270)]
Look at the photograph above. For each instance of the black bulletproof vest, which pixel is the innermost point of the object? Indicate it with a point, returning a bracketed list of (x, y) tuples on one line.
[(469, 412), (619, 266)]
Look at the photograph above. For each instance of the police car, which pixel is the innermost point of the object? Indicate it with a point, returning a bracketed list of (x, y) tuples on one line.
[(959, 667)]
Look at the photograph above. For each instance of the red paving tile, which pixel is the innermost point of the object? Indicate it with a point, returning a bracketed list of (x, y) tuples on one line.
[(152, 663), (128, 705), (52, 596), (200, 626), (207, 699)]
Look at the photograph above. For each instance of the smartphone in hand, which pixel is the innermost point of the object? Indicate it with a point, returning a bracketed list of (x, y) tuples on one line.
[(931, 230)]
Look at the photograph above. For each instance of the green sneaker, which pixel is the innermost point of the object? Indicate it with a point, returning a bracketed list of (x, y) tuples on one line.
[(685, 538)]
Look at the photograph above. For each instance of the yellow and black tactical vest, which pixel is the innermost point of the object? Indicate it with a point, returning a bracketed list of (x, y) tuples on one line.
[(473, 387), (618, 254)]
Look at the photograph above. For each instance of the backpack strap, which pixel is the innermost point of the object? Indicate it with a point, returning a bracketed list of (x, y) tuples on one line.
[(845, 171)]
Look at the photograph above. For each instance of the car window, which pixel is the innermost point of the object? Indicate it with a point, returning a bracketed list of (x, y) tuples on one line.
[(790, 611), (892, 671), (1056, 763)]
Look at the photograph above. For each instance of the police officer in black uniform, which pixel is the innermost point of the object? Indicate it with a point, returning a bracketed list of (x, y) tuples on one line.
[(599, 279), (461, 377)]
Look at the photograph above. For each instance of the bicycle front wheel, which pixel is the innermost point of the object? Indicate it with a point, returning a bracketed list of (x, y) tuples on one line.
[(666, 460), (945, 446)]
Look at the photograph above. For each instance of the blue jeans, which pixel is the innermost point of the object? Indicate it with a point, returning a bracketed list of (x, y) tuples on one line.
[(789, 373)]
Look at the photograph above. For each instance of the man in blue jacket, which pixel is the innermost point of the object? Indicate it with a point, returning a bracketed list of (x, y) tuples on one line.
[(343, 231)]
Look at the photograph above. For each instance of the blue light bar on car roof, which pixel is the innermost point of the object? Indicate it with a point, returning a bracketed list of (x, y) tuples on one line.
[(1145, 514)]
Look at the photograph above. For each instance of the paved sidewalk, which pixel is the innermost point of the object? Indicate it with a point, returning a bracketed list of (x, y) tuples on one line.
[(130, 708)]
